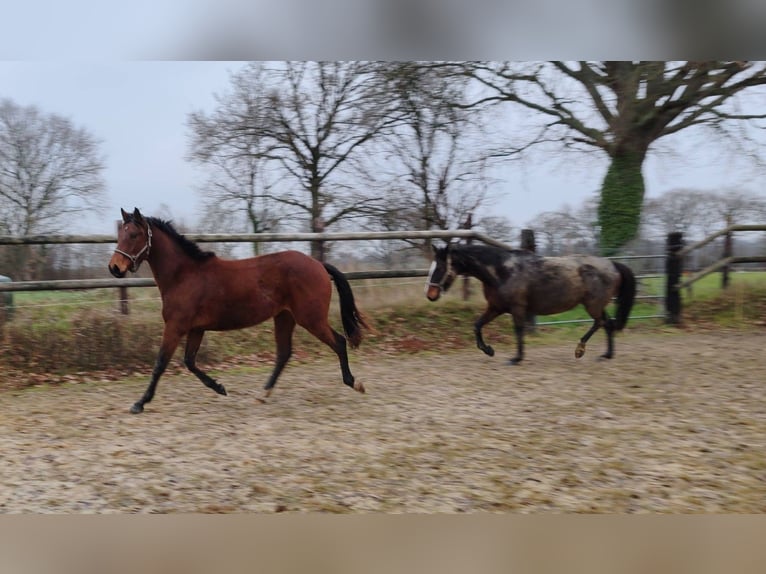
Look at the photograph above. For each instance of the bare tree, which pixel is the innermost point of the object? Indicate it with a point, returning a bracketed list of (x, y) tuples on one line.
[(439, 158), (291, 134), (697, 213), (568, 229), (230, 143), (737, 206), (622, 108), (563, 231), (684, 210), (49, 170), (498, 227), (326, 114)]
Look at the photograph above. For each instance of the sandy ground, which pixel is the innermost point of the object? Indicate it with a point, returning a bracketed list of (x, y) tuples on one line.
[(675, 423)]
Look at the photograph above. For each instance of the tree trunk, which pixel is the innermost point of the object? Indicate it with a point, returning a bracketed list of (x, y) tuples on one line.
[(622, 194), (318, 247), (255, 226)]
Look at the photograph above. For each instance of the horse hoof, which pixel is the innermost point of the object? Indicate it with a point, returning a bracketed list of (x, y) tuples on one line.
[(514, 361), (605, 356), (260, 400), (221, 390), (489, 351), (580, 350), (137, 408), (359, 387)]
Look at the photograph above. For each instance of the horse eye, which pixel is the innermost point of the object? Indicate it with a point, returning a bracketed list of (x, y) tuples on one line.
[(133, 235)]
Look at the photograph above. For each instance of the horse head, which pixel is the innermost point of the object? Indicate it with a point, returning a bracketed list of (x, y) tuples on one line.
[(442, 274), (134, 242)]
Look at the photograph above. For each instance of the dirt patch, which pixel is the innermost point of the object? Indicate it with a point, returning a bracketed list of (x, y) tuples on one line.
[(675, 423)]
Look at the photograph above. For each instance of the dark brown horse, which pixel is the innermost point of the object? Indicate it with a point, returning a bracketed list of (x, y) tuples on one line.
[(523, 283), (201, 292)]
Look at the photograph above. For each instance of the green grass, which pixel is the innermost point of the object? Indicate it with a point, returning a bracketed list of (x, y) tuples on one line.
[(62, 332), (706, 289), (710, 285)]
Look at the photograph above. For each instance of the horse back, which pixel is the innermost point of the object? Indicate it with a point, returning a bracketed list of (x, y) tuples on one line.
[(557, 284), (280, 276), (232, 294)]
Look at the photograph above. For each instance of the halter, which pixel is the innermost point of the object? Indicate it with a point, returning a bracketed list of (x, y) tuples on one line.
[(447, 273), (134, 263)]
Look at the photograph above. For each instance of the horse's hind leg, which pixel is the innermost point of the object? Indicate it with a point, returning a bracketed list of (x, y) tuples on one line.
[(193, 341), (518, 328), (337, 342), (597, 321), (284, 325), (609, 328)]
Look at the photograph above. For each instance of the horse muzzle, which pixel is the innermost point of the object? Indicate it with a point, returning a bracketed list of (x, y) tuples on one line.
[(116, 271), (115, 268), (433, 292)]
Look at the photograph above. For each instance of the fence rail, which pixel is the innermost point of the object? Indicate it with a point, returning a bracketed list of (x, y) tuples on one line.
[(674, 258), (727, 230), (265, 237), (718, 265), (72, 284), (233, 238)]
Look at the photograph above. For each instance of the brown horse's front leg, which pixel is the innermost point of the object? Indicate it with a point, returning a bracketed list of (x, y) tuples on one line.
[(193, 341), (486, 317), (168, 346), (284, 325)]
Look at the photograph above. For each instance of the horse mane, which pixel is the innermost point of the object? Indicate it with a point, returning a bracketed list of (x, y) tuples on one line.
[(491, 255), (187, 245), (478, 260)]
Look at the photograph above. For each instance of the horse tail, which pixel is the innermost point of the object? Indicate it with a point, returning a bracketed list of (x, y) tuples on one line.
[(626, 294), (351, 317)]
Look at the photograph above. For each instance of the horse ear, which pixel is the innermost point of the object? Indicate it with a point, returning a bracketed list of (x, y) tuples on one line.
[(125, 215), (137, 217)]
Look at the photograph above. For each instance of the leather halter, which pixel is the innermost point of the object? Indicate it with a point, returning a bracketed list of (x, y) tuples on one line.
[(134, 262), (449, 275)]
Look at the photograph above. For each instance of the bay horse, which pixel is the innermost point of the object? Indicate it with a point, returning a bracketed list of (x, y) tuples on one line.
[(201, 292), (521, 283)]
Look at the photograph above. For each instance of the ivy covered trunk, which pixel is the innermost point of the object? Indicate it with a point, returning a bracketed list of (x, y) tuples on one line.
[(622, 195)]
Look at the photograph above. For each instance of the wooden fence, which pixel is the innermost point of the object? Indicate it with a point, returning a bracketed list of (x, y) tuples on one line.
[(674, 264), (674, 257), (231, 238)]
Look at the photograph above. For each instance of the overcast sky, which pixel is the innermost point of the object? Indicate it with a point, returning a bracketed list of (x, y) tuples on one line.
[(138, 109)]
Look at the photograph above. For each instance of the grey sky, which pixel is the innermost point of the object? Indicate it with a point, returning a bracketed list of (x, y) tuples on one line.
[(139, 109)]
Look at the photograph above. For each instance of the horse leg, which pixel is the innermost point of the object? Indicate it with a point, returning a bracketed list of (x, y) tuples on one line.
[(519, 319), (170, 339), (609, 327), (597, 321), (488, 315), (337, 342), (193, 341), (284, 324)]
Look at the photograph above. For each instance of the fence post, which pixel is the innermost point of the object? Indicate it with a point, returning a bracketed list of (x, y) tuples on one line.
[(673, 271), (528, 240), (528, 243), (6, 302), (466, 280), (728, 251), (122, 292)]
